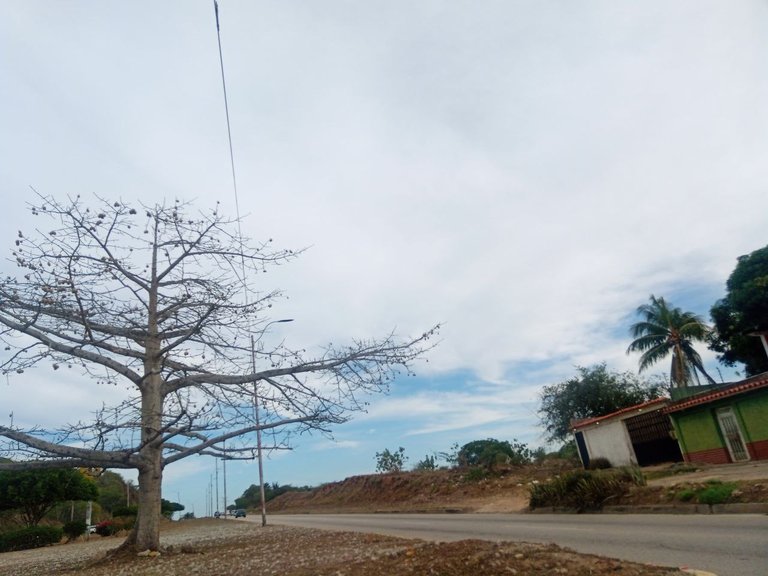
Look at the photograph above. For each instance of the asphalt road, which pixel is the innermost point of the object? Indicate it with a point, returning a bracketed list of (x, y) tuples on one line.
[(726, 544)]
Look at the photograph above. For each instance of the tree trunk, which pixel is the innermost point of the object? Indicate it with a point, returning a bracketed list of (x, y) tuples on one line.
[(146, 532)]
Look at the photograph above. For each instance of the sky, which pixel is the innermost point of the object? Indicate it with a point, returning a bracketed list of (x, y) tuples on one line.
[(525, 172)]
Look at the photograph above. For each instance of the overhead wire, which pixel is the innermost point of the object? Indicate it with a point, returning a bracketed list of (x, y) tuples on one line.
[(245, 277)]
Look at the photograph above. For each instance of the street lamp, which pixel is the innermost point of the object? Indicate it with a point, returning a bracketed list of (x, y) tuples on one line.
[(258, 423)]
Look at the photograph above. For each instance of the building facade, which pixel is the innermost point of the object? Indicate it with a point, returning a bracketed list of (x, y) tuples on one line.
[(725, 424)]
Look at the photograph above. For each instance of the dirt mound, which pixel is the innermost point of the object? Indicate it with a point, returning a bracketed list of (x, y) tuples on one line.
[(506, 490), (427, 491)]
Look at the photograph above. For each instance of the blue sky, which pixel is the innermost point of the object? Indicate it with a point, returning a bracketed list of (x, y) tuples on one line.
[(525, 172)]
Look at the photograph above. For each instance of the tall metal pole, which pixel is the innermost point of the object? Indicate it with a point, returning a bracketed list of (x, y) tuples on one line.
[(224, 467), (217, 486), (258, 438)]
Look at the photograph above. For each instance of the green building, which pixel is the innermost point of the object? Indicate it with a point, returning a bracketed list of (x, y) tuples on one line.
[(722, 424)]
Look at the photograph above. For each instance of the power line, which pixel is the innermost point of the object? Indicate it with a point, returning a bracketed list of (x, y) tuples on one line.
[(226, 112), (245, 288)]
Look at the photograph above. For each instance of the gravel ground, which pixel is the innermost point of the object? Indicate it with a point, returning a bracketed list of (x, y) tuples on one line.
[(218, 547)]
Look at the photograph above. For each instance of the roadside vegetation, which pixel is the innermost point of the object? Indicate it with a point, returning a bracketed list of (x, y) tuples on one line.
[(45, 506)]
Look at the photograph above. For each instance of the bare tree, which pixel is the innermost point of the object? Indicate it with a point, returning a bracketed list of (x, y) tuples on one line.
[(165, 300)]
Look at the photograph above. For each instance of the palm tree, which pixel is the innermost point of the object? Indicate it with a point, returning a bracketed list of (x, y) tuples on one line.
[(666, 330)]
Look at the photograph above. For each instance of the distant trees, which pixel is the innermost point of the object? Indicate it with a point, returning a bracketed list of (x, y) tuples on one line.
[(167, 508), (669, 331), (251, 497), (114, 491), (35, 492), (594, 391), (743, 312)]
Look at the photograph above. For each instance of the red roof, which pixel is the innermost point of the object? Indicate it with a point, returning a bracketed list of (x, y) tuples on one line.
[(754, 383), (635, 408)]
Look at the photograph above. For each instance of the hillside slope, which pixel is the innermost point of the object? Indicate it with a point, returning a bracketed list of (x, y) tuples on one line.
[(423, 491), (508, 490)]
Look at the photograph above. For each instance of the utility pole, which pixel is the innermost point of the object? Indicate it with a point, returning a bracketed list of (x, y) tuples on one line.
[(217, 485), (224, 466)]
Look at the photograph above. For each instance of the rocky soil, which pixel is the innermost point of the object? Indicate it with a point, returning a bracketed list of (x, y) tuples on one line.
[(233, 548)]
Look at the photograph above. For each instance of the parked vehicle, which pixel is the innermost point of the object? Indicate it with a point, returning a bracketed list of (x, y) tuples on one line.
[(239, 513)]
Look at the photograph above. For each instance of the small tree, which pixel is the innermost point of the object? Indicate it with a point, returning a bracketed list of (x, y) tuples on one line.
[(167, 302), (594, 391), (387, 461), (428, 463), (35, 492)]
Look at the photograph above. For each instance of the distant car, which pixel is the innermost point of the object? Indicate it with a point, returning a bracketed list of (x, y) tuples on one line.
[(239, 513)]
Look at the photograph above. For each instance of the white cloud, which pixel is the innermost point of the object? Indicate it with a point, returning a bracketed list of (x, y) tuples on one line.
[(527, 174)]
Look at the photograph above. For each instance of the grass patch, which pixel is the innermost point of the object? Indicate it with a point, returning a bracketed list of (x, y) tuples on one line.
[(716, 493), (713, 492)]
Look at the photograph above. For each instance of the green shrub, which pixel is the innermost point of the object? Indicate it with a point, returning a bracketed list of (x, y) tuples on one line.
[(685, 495), (716, 493), (74, 529), (32, 537)]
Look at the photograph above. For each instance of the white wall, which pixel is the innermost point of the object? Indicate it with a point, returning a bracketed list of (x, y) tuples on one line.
[(610, 440)]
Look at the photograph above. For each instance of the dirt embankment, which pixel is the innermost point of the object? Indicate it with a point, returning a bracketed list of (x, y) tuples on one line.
[(504, 492)]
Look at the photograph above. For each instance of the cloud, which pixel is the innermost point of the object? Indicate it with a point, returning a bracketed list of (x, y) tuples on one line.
[(527, 174)]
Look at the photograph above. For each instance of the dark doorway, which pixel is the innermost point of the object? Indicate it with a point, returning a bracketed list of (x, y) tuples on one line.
[(652, 439), (582, 446)]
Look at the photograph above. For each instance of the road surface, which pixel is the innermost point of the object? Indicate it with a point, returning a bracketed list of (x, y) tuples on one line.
[(726, 544)]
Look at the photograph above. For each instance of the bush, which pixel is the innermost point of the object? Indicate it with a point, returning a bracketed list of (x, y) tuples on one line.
[(475, 474), (583, 490), (32, 537), (715, 494), (74, 529), (599, 463), (685, 495), (107, 528)]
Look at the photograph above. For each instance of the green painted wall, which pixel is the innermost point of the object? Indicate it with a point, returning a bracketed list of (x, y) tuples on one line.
[(753, 410), (698, 428)]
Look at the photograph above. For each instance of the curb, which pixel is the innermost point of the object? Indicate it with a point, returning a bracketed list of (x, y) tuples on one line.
[(736, 508)]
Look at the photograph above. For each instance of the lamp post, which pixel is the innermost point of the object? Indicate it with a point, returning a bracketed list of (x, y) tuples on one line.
[(258, 422)]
